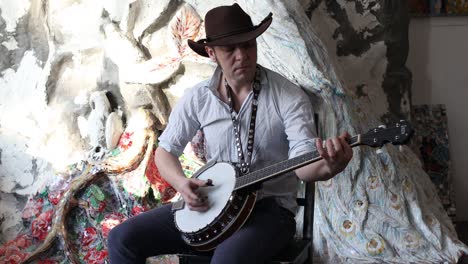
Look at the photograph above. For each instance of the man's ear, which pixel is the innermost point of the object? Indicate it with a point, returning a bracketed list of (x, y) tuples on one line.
[(211, 53)]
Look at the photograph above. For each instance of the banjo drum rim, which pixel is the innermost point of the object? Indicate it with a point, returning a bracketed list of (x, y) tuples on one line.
[(207, 244)]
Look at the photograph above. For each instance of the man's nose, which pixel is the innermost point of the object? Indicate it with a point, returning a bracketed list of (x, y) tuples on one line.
[(241, 52)]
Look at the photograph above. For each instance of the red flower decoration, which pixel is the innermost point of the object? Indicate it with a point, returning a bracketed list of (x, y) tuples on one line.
[(101, 206), (164, 188), (32, 208), (198, 145), (136, 210), (109, 222), (21, 241), (57, 188), (95, 257), (55, 197), (125, 141), (88, 237), (40, 225), (13, 255)]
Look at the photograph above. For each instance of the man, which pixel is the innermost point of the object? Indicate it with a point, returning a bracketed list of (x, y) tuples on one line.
[(250, 116)]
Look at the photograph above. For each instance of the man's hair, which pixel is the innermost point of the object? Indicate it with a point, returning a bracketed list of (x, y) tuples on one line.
[(214, 51)]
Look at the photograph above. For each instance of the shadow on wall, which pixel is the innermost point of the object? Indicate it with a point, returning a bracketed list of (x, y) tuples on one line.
[(418, 59)]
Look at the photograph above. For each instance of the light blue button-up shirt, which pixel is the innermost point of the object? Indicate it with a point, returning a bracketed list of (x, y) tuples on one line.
[(284, 128)]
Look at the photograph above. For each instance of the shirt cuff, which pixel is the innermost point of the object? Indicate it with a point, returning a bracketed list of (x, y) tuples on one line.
[(171, 148), (306, 146)]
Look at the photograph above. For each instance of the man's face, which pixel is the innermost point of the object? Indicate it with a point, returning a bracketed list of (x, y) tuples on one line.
[(237, 61)]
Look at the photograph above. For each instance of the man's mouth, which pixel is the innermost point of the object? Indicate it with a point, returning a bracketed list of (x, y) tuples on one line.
[(241, 68)]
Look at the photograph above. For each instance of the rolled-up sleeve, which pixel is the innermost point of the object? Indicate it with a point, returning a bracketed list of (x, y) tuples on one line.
[(182, 126), (298, 120)]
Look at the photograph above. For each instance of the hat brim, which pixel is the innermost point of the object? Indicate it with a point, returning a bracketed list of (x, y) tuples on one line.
[(199, 46)]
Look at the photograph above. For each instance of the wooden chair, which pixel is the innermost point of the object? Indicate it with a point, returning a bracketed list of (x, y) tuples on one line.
[(298, 251)]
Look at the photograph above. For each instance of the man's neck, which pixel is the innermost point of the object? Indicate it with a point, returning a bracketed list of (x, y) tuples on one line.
[(239, 91), (237, 86)]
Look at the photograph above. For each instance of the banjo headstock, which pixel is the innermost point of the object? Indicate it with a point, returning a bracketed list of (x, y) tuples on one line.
[(397, 134)]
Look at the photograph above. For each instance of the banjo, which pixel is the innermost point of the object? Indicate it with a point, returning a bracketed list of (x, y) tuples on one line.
[(232, 197)]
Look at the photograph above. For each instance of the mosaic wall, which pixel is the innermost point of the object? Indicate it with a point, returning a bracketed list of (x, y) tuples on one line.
[(431, 143)]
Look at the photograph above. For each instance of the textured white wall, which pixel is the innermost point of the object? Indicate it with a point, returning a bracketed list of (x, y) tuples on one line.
[(438, 59), (368, 69)]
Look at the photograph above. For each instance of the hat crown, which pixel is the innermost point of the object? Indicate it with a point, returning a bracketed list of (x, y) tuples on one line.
[(225, 21), (228, 25)]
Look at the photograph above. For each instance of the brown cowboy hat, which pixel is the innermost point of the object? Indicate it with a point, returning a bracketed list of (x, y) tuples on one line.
[(228, 25)]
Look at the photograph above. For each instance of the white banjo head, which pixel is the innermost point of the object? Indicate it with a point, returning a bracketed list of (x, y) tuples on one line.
[(223, 176)]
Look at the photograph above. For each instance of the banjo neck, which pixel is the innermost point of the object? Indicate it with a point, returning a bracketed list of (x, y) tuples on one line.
[(285, 166), (397, 134)]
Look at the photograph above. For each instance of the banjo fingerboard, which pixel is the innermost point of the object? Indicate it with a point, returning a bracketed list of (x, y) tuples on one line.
[(283, 167)]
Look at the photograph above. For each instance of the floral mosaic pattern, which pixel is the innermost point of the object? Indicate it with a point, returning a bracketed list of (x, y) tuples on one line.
[(186, 24), (103, 204)]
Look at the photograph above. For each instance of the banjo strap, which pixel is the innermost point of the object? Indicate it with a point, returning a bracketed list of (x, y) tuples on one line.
[(244, 163)]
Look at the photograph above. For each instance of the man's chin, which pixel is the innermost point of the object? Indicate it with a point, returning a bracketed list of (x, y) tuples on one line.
[(247, 72)]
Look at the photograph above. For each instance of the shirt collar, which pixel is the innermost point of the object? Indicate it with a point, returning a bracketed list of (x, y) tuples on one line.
[(212, 85)]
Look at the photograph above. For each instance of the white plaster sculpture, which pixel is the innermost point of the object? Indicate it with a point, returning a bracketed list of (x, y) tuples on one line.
[(102, 127), (114, 129)]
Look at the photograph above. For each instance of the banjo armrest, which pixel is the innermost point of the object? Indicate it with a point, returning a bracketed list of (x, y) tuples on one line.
[(178, 205)]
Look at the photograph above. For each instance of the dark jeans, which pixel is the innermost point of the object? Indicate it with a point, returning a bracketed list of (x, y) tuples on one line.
[(268, 229)]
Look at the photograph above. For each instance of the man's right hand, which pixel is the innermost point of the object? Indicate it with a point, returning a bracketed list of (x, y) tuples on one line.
[(190, 191), (171, 170)]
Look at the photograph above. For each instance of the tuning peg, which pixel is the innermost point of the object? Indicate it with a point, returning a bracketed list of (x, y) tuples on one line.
[(379, 151), (382, 126)]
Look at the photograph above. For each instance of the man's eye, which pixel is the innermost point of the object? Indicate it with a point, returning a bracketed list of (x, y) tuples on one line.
[(248, 44)]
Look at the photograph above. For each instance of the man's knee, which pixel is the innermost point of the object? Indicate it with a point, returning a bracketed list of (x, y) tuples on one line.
[(119, 235)]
